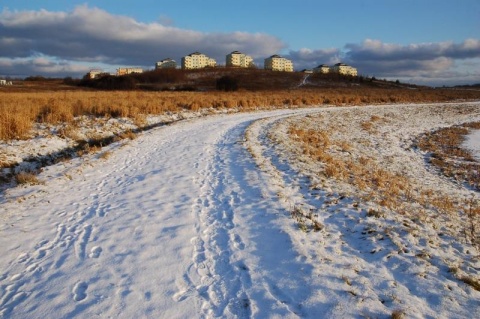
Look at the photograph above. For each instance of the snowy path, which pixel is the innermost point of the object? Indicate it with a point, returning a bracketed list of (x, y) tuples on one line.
[(178, 223), (192, 220)]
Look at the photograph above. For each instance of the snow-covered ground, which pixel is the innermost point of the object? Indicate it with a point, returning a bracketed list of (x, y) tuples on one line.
[(472, 143), (192, 220)]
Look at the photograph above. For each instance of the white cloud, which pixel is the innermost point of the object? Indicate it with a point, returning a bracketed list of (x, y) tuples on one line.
[(88, 34), (424, 63), (377, 50), (307, 58), (67, 41), (41, 65)]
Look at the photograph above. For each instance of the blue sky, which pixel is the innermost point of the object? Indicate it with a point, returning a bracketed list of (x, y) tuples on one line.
[(431, 42)]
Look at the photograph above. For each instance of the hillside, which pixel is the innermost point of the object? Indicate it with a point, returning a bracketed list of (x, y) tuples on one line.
[(245, 79), (206, 80)]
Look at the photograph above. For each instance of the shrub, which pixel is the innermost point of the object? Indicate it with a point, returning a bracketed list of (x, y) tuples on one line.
[(110, 83), (227, 83)]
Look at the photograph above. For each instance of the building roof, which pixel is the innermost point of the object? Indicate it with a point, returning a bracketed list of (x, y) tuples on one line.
[(341, 64), (275, 56), (236, 52)]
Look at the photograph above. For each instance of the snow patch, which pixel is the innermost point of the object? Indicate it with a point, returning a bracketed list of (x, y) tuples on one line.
[(472, 143)]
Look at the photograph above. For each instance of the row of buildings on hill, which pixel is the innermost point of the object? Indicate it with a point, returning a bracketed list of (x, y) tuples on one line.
[(340, 68), (237, 59)]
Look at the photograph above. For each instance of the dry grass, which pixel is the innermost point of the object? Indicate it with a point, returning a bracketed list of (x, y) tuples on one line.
[(388, 189), (27, 178), (129, 134), (375, 182), (475, 284), (20, 110), (452, 160), (306, 220), (398, 314), (105, 155), (449, 157), (391, 189)]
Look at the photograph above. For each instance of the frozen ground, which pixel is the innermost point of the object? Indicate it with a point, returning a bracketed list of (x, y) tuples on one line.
[(472, 143), (192, 220)]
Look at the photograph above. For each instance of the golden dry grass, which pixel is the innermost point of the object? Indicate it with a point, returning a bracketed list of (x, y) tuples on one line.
[(19, 111), (388, 188), (27, 178), (448, 155)]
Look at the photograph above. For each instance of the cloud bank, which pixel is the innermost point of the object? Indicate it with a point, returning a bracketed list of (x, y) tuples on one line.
[(70, 43), (91, 35), (429, 63)]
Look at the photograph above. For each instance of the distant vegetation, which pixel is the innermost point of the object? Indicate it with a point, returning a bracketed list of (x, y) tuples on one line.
[(226, 79), (40, 100), (473, 86)]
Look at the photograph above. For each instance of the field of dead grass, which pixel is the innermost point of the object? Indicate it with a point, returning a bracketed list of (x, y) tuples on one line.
[(372, 154), (20, 111), (447, 154)]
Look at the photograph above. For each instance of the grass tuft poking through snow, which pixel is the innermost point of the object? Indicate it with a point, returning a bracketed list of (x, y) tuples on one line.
[(367, 175), (27, 178), (381, 178)]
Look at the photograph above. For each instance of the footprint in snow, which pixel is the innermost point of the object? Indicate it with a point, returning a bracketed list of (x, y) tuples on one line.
[(95, 252), (237, 241), (80, 291), (41, 253), (22, 258)]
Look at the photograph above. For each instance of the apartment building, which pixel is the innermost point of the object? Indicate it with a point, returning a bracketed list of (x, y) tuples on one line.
[(277, 63), (125, 71), (197, 60), (239, 59), (166, 64), (95, 73), (344, 69), (322, 68)]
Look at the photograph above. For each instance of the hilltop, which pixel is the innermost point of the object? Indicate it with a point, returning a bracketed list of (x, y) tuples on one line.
[(248, 79), (245, 79)]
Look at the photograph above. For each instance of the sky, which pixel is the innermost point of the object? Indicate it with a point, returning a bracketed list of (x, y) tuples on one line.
[(432, 42)]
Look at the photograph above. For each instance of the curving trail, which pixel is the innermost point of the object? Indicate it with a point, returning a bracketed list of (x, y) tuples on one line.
[(178, 223), (193, 220)]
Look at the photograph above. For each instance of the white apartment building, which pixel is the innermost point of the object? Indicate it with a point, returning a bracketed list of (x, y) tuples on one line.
[(94, 73), (125, 71), (166, 64), (344, 69), (239, 59), (197, 60), (277, 63), (322, 68)]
